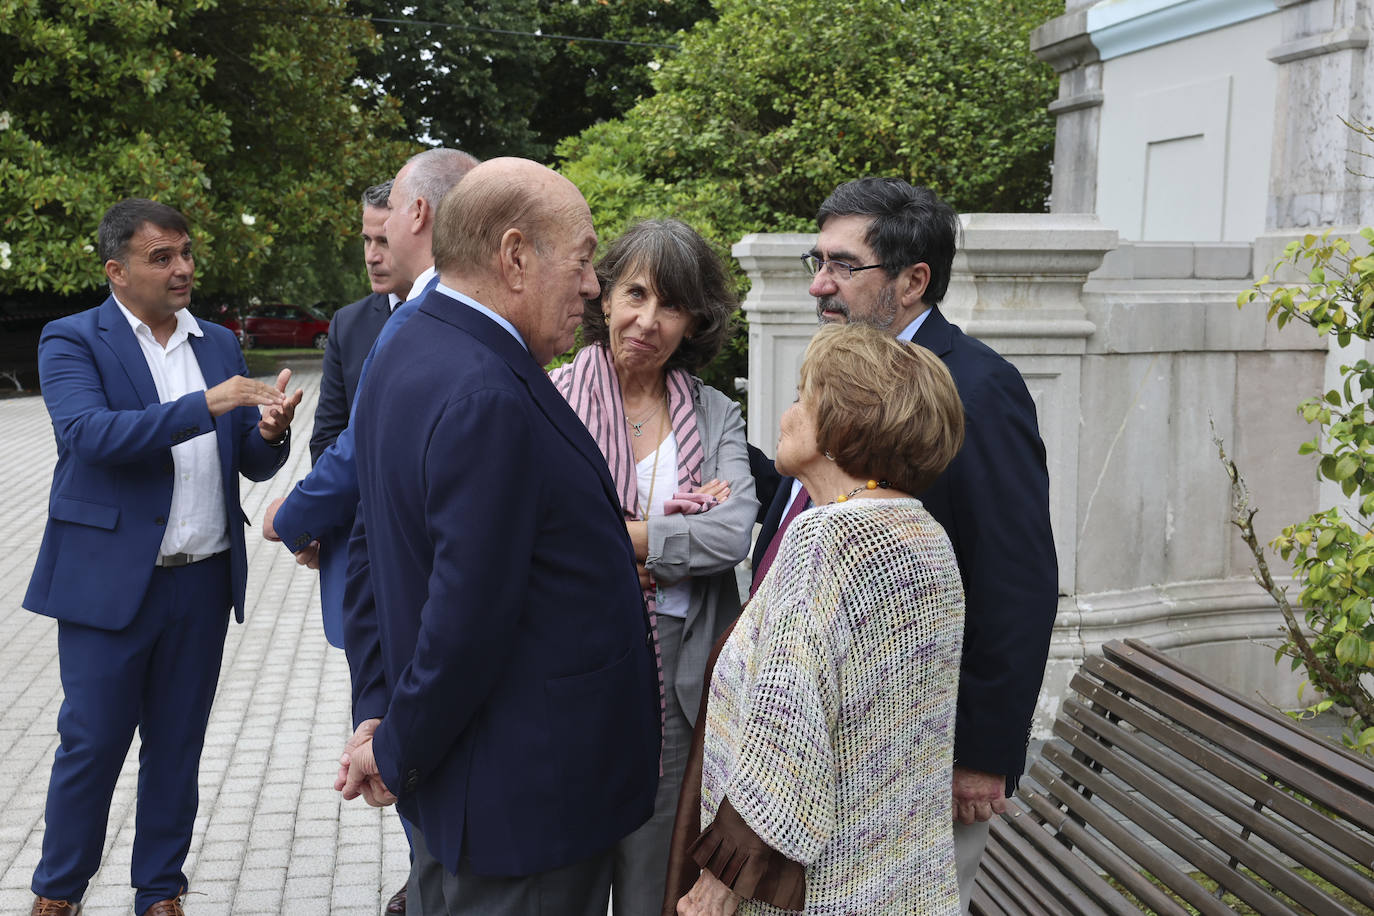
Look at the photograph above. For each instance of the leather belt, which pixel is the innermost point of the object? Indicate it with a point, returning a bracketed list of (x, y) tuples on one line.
[(184, 559)]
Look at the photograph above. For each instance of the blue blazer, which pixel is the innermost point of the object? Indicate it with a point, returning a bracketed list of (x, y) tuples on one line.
[(112, 487), (493, 618), (994, 502), (352, 333), (321, 506)]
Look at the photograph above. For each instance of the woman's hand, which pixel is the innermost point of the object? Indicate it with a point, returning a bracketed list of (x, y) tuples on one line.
[(639, 538), (708, 897), (717, 488)]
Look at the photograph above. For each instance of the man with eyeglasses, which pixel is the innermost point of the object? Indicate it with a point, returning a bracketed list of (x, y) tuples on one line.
[(883, 258)]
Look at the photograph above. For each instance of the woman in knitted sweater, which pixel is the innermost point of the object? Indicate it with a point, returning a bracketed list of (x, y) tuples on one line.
[(822, 765)]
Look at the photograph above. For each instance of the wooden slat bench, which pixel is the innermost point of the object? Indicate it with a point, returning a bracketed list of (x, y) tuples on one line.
[(1157, 778)]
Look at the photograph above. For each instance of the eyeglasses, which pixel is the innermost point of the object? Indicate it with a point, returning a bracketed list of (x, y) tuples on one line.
[(815, 265)]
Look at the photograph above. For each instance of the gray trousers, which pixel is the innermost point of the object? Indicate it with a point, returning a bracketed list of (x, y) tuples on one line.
[(641, 859), (579, 889), (969, 842)]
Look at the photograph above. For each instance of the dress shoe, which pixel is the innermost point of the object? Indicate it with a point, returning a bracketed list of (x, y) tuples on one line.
[(166, 908), (44, 906), (396, 906)]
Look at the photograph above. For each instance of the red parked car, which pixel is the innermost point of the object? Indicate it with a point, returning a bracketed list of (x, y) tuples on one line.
[(281, 325)]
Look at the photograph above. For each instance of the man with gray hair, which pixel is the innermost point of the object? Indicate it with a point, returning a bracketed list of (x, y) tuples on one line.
[(415, 194), (324, 501), (321, 507)]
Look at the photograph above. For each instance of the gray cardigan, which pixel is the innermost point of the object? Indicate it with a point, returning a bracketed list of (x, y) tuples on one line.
[(707, 546)]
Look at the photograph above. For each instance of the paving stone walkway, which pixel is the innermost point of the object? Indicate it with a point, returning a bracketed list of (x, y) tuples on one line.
[(272, 835)]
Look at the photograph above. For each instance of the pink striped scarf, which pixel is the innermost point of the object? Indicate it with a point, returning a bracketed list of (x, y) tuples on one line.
[(590, 386)]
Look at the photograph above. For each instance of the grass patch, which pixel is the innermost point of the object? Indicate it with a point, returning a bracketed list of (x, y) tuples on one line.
[(270, 362)]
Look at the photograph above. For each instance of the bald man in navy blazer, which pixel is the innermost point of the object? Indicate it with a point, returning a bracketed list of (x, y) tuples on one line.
[(143, 555), (503, 668)]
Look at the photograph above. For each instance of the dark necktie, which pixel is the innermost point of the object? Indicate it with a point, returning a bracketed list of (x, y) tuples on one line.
[(799, 505)]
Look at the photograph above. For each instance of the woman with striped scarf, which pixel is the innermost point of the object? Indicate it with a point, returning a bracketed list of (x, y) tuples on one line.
[(677, 454)]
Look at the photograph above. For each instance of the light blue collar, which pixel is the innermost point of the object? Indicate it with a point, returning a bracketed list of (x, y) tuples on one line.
[(473, 303)]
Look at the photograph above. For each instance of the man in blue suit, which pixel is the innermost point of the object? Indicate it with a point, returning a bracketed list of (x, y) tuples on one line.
[(883, 258), (143, 555), (315, 518), (504, 678)]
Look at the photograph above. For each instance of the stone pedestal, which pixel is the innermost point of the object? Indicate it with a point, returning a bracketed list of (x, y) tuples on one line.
[(1063, 43), (782, 318)]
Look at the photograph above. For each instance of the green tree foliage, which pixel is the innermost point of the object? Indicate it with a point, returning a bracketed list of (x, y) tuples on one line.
[(243, 115), (488, 77), (587, 82), (1331, 552), (766, 109), (461, 71)]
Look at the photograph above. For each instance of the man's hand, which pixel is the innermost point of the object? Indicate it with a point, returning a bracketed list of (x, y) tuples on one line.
[(242, 391), (978, 795), (276, 420), (358, 774), (269, 531), (310, 555), (645, 578), (364, 732), (708, 897)]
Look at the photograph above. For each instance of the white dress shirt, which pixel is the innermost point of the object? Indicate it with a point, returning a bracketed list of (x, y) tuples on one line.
[(657, 482), (197, 522), (420, 282)]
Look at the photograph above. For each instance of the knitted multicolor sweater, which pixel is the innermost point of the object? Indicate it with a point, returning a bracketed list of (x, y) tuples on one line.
[(830, 722)]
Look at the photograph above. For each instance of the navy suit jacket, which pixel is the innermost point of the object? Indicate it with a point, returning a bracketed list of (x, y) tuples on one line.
[(112, 487), (993, 500), (352, 332), (493, 618)]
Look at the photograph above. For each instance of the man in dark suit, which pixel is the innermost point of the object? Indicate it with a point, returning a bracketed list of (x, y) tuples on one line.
[(143, 554), (500, 649), (354, 328), (883, 258)]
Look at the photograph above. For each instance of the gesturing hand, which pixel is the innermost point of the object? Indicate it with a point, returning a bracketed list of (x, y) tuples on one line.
[(276, 420), (241, 391)]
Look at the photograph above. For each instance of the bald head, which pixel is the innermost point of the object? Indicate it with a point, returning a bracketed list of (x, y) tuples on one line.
[(497, 196), (518, 238)]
